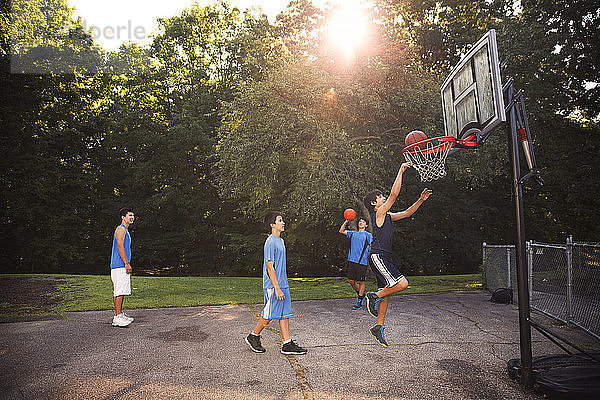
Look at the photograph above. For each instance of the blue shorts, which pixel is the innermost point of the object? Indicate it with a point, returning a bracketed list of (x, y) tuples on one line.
[(277, 309), (385, 271)]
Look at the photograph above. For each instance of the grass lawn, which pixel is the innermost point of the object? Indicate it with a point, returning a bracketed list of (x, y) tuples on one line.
[(62, 293)]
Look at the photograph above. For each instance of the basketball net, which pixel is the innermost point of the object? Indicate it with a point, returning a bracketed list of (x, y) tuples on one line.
[(428, 156)]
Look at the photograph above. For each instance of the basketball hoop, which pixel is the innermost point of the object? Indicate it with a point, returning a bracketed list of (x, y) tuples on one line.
[(428, 156)]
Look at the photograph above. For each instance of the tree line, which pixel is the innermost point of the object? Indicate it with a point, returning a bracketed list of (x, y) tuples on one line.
[(226, 115)]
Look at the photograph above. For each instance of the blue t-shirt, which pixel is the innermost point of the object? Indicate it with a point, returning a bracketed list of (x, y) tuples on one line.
[(115, 259), (382, 236), (275, 251), (357, 243)]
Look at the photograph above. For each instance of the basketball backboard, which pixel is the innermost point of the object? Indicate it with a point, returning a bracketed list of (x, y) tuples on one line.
[(472, 92)]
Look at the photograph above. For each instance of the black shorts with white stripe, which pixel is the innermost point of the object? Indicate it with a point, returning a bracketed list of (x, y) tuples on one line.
[(384, 269)]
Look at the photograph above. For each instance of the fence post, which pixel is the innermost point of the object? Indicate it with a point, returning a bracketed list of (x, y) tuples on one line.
[(484, 276), (509, 285), (530, 267), (483, 252), (569, 278)]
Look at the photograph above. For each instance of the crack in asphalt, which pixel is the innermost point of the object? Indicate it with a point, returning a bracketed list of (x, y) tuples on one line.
[(496, 356), (463, 317), (299, 370), (124, 391), (307, 391)]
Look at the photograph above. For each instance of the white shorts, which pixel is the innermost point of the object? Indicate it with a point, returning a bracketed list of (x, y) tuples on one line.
[(121, 282)]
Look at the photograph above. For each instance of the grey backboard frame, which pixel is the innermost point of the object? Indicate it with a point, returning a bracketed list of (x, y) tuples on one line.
[(472, 92)]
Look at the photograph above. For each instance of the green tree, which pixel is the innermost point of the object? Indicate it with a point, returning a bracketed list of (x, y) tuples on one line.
[(311, 143), (159, 146), (47, 138), (299, 26), (45, 170), (38, 23), (549, 50)]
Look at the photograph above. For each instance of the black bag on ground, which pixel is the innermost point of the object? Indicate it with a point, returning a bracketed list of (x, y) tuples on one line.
[(502, 296)]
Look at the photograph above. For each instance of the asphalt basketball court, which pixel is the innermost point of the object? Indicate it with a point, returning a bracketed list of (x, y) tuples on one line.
[(442, 346)]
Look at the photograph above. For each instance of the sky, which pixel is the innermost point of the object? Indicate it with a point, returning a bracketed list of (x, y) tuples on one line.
[(116, 21)]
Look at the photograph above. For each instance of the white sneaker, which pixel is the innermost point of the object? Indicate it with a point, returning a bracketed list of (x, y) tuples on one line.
[(127, 316), (120, 320)]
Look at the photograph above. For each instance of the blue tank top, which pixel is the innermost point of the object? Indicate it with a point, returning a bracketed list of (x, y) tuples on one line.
[(382, 236), (115, 259)]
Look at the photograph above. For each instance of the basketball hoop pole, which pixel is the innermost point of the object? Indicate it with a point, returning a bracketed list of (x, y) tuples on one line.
[(522, 276), (473, 94)]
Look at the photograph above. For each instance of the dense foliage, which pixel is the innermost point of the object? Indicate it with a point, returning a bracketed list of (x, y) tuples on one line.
[(226, 115)]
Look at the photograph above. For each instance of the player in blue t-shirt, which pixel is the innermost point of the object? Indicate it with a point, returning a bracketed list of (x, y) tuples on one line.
[(357, 258), (277, 300), (389, 279)]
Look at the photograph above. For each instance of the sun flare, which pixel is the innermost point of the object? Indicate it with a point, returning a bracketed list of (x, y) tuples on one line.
[(347, 29)]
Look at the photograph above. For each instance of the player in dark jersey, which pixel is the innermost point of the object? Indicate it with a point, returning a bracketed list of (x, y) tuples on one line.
[(389, 279)]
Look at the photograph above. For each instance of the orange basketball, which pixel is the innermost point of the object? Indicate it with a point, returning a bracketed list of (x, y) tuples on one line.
[(414, 137), (349, 214)]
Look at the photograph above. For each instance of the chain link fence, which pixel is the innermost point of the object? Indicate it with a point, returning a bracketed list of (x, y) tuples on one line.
[(564, 280), (500, 266), (548, 279), (585, 296)]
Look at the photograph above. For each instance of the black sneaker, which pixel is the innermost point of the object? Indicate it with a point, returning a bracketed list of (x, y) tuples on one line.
[(358, 304), (292, 348), (377, 332), (254, 343), (373, 303)]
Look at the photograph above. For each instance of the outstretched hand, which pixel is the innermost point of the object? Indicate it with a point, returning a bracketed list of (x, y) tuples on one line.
[(405, 166), (425, 194)]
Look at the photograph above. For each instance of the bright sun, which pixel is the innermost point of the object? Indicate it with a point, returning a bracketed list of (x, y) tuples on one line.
[(347, 29)]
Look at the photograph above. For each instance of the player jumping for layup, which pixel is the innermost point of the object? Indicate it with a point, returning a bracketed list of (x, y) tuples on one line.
[(389, 279)]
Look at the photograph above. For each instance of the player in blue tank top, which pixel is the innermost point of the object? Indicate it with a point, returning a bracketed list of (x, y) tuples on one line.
[(389, 278), (117, 260), (357, 258), (120, 269)]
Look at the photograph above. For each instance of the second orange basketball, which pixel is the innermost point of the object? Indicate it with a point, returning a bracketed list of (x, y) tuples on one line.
[(349, 214)]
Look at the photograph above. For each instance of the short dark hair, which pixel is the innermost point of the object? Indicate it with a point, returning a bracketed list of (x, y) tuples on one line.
[(123, 211), (364, 219), (370, 198), (270, 218)]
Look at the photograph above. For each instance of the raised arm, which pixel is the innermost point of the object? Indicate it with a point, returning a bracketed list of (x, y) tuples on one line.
[(343, 230), (412, 209), (393, 194)]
